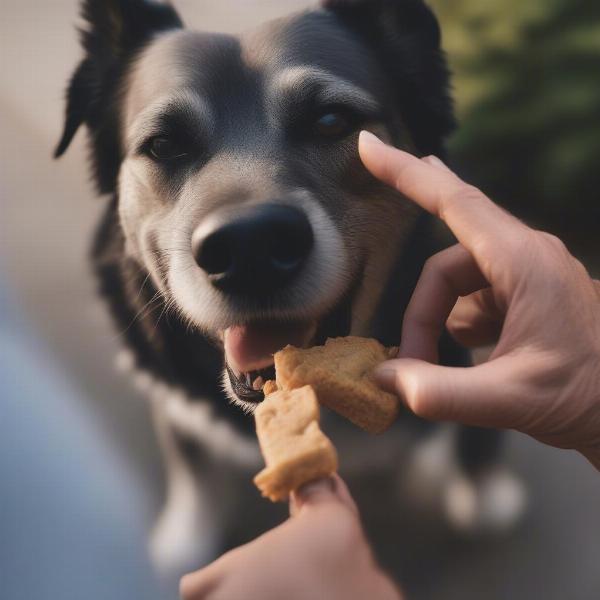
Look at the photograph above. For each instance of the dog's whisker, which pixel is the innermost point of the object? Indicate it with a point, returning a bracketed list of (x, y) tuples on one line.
[(142, 286), (142, 313), (169, 304)]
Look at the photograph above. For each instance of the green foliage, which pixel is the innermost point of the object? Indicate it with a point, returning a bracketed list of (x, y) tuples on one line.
[(527, 83)]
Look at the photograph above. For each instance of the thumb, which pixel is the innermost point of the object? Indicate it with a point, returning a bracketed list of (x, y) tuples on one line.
[(479, 396), (329, 490)]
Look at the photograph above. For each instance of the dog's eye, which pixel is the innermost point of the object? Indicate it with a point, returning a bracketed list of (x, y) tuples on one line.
[(333, 125), (163, 148)]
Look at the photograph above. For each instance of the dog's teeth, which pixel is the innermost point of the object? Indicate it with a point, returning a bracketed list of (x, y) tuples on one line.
[(258, 383)]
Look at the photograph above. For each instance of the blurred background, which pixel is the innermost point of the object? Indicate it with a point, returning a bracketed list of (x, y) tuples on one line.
[(527, 86)]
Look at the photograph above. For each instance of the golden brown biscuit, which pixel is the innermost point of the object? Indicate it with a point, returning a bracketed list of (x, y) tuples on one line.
[(270, 387), (295, 450), (341, 374)]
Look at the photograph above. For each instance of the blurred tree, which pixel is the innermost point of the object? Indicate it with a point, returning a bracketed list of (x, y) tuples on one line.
[(527, 83)]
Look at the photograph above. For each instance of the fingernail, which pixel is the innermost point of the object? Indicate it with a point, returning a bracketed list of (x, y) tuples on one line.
[(366, 137)]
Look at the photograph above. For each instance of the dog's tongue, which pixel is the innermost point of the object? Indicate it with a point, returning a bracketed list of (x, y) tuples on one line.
[(251, 347)]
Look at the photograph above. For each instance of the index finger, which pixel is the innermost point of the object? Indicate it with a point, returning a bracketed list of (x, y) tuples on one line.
[(474, 219)]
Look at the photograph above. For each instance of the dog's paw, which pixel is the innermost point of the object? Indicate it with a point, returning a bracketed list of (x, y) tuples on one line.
[(434, 484), (493, 502), (421, 481)]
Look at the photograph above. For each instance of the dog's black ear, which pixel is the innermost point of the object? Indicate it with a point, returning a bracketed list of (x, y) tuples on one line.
[(114, 31), (406, 38)]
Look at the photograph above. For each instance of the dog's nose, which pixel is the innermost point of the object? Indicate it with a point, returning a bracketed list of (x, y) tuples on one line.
[(258, 252)]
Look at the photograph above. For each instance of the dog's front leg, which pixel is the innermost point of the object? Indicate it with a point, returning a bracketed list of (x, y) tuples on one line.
[(206, 464), (187, 533)]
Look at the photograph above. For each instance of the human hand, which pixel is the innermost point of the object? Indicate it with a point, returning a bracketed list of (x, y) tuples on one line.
[(503, 282), (319, 553)]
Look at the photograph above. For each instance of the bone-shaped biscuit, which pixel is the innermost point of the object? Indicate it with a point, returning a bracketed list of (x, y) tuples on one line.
[(296, 451)]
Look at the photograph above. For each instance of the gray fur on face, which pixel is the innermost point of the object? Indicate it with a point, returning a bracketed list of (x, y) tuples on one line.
[(240, 100)]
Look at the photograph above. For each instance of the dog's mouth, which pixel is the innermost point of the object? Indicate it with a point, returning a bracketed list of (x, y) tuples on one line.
[(249, 351), (249, 347)]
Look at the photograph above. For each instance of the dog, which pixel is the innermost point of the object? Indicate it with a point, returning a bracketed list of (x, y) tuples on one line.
[(240, 220)]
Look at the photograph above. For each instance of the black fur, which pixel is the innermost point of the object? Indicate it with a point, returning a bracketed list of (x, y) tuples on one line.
[(161, 342), (115, 30), (405, 36)]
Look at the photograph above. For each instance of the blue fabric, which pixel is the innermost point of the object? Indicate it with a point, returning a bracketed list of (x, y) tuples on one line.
[(71, 516)]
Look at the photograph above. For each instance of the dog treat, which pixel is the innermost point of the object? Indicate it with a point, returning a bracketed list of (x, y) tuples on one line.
[(341, 374), (295, 449), (270, 387)]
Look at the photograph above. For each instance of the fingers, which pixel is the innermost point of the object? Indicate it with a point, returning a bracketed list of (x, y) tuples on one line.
[(446, 276), (488, 232), (482, 396), (420, 181), (206, 581), (326, 490), (330, 493), (200, 584), (475, 320)]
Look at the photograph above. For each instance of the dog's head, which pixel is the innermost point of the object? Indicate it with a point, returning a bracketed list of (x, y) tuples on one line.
[(234, 161)]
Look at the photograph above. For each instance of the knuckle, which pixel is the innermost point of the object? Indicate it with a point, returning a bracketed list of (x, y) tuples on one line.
[(472, 192), (519, 248), (551, 241), (552, 257), (433, 263), (582, 273), (467, 192), (462, 192), (439, 261), (522, 239)]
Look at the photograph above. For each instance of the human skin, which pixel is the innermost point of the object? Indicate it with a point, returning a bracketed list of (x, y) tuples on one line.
[(320, 552), (503, 283)]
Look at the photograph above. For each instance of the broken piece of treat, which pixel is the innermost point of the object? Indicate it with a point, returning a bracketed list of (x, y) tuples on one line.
[(341, 374), (270, 387), (295, 449)]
